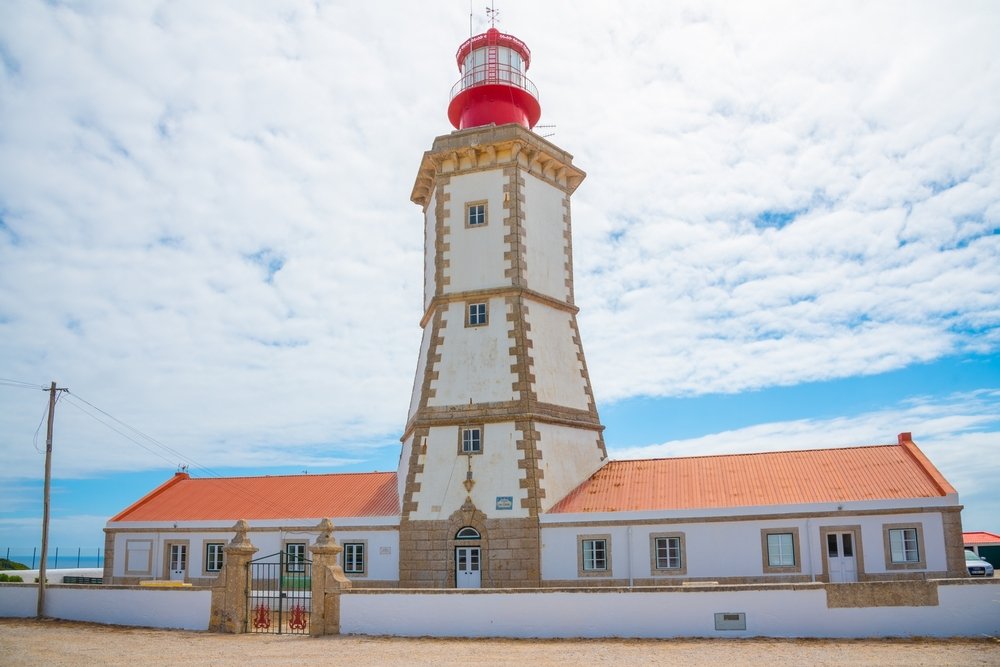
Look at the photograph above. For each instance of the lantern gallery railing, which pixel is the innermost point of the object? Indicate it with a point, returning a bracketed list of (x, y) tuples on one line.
[(488, 74)]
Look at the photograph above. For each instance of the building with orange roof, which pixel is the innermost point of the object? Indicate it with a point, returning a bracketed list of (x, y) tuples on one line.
[(504, 479), (845, 514), (983, 544)]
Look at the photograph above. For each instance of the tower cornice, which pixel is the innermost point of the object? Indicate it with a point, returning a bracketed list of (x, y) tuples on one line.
[(531, 295), (493, 146), (502, 411)]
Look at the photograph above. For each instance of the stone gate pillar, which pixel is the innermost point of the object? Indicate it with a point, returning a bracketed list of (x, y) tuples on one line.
[(229, 596), (328, 580)]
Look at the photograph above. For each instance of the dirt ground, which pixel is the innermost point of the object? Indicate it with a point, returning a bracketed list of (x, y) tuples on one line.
[(31, 642)]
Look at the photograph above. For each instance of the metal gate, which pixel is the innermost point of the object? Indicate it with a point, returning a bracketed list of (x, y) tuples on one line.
[(279, 594)]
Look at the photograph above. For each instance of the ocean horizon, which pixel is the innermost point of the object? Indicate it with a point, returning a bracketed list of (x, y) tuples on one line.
[(63, 558)]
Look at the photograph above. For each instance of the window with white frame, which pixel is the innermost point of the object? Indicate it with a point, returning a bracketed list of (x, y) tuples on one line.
[(354, 557), (668, 553), (295, 556), (780, 550), (593, 555), (472, 440), (904, 545), (213, 556), (476, 315), (475, 214)]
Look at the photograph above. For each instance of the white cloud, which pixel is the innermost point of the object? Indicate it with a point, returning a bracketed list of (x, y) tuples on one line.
[(206, 227), (959, 433)]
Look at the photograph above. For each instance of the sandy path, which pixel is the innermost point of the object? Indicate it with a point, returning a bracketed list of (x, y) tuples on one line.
[(30, 642)]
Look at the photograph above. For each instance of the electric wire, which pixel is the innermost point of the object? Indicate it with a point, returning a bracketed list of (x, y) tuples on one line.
[(45, 412), (7, 382), (229, 483)]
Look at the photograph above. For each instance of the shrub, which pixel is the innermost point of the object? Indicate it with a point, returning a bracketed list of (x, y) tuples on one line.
[(6, 564)]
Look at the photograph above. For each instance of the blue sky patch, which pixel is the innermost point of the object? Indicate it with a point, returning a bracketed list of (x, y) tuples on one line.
[(776, 219)]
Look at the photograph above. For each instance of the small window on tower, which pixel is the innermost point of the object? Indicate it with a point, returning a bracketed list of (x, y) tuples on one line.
[(475, 214), (476, 315), (471, 441)]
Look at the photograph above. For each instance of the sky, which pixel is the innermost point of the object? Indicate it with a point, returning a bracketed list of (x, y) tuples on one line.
[(788, 237)]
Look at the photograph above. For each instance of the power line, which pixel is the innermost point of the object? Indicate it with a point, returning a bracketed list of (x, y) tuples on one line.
[(45, 412), (229, 483), (119, 432), (7, 382)]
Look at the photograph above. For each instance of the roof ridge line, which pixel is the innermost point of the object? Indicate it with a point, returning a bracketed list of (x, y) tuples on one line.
[(318, 474), (776, 451), (925, 464), (176, 479)]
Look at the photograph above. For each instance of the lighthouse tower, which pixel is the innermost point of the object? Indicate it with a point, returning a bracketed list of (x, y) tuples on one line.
[(502, 422)]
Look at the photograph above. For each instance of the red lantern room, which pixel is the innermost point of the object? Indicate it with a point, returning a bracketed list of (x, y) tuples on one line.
[(493, 88)]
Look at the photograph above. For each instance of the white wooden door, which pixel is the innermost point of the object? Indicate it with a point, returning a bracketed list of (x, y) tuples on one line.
[(178, 561), (840, 558), (467, 572)]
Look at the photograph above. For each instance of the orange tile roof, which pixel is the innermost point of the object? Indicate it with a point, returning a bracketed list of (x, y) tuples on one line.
[(183, 498), (771, 478), (980, 537)]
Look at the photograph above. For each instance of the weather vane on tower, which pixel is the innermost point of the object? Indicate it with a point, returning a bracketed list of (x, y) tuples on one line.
[(493, 14)]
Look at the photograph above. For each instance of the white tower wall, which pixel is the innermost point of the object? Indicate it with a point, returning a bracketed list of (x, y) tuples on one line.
[(514, 374)]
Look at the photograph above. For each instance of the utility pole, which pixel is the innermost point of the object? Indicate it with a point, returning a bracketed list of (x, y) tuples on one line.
[(45, 502)]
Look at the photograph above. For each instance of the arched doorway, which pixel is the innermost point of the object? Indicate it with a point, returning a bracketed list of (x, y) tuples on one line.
[(468, 558)]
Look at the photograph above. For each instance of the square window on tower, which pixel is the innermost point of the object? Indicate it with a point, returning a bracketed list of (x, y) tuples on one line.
[(471, 440), (476, 315), (475, 214)]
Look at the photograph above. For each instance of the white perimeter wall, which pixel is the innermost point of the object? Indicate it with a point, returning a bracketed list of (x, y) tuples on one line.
[(970, 610), (184, 608)]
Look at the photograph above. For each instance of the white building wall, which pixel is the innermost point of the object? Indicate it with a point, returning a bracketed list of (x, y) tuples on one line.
[(475, 362), (383, 543), (568, 456), (430, 235), (544, 240), (722, 549), (475, 256), (495, 472), (403, 468), (418, 378), (557, 368)]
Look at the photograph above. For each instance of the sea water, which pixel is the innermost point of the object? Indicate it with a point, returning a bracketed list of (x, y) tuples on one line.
[(58, 557)]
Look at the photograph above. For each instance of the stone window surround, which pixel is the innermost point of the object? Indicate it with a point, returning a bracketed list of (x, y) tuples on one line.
[(920, 563), (468, 313), (468, 213), (206, 544), (796, 551), (166, 556), (672, 571), (364, 558), (580, 571), (859, 554), (461, 438), (149, 556)]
